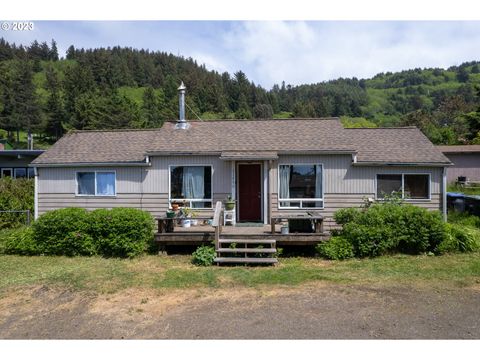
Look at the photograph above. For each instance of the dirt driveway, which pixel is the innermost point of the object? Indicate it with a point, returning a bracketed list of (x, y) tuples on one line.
[(319, 311)]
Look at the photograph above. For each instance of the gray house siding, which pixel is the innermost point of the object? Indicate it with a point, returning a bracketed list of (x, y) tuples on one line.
[(464, 165), (140, 187), (147, 187), (346, 185)]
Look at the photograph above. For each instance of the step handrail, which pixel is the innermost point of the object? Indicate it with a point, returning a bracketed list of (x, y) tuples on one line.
[(216, 223)]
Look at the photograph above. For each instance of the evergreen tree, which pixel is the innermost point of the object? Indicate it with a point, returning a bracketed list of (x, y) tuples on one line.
[(54, 108), (26, 110), (53, 54), (150, 109), (70, 53), (263, 111)]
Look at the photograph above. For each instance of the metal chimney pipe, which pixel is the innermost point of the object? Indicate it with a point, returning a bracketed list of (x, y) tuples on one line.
[(181, 123)]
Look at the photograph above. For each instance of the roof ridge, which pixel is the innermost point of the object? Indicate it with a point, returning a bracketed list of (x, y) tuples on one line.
[(258, 120), (111, 130), (381, 128)]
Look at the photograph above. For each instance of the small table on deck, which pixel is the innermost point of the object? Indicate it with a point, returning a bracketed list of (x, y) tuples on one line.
[(165, 224), (315, 217)]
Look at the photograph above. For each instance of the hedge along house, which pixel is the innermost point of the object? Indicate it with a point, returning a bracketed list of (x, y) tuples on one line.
[(269, 167)]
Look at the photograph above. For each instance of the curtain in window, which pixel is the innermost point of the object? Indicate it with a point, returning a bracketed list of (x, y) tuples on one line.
[(106, 183), (318, 182), (86, 183), (193, 186), (284, 181)]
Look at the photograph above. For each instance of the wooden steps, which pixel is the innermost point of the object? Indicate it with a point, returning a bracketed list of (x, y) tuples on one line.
[(246, 251), (246, 260), (247, 241)]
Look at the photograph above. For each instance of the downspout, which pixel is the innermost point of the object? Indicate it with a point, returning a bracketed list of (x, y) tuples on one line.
[(35, 206), (444, 194), (269, 192)]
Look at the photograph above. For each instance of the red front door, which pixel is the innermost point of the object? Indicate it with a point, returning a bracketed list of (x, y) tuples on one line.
[(250, 192)]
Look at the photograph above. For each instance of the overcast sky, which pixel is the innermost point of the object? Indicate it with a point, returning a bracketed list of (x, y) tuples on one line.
[(269, 52)]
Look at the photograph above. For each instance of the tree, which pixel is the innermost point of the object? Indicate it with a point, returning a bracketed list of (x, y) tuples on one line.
[(263, 111), (151, 109), (25, 111), (53, 53), (462, 74), (70, 53), (54, 108)]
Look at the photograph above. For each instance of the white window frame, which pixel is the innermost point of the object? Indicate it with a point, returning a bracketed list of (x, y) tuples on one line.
[(95, 178), (15, 172), (11, 172), (403, 186), (188, 202), (301, 200)]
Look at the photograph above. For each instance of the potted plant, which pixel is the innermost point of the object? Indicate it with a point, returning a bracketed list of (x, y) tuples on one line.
[(186, 213), (229, 203)]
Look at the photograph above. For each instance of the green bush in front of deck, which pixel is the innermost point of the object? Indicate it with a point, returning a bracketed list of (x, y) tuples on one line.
[(388, 227), (119, 232), (204, 255)]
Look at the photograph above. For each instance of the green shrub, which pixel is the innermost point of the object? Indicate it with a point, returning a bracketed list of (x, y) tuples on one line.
[(64, 232), (204, 255), (344, 216), (121, 232), (20, 241), (391, 227), (337, 248), (464, 218), (459, 239), (15, 194)]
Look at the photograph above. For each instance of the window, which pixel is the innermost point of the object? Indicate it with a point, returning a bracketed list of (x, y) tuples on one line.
[(416, 186), (99, 183), (388, 184), (20, 172), (409, 186), (6, 172), (191, 185), (300, 186)]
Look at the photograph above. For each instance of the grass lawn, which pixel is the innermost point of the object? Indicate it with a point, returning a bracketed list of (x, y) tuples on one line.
[(463, 189), (176, 272)]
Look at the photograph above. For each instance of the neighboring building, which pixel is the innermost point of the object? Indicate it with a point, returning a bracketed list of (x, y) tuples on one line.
[(15, 163), (5, 145), (270, 167), (465, 159)]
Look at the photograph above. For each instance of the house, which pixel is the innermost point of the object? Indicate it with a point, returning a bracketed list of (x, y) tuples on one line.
[(465, 159), (15, 163), (271, 167)]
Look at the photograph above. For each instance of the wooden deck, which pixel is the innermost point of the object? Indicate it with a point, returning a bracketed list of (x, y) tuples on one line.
[(204, 234)]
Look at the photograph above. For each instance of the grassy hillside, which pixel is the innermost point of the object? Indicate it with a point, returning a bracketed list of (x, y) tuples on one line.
[(116, 87)]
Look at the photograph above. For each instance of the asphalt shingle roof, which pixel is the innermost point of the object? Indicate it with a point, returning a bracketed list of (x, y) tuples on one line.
[(392, 145)]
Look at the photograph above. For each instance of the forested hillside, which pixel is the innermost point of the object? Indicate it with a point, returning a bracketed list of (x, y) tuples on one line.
[(108, 88)]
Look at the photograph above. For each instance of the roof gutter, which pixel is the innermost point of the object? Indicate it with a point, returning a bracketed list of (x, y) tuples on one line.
[(379, 163), (108, 164), (293, 152)]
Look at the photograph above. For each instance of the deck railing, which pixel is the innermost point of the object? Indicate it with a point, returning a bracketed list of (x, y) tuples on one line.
[(217, 222)]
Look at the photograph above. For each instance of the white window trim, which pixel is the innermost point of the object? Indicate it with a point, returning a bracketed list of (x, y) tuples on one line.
[(189, 201), (301, 199), (11, 171), (15, 172), (95, 178), (403, 186)]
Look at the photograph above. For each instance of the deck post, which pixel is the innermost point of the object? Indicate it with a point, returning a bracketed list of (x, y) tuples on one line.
[(217, 223)]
